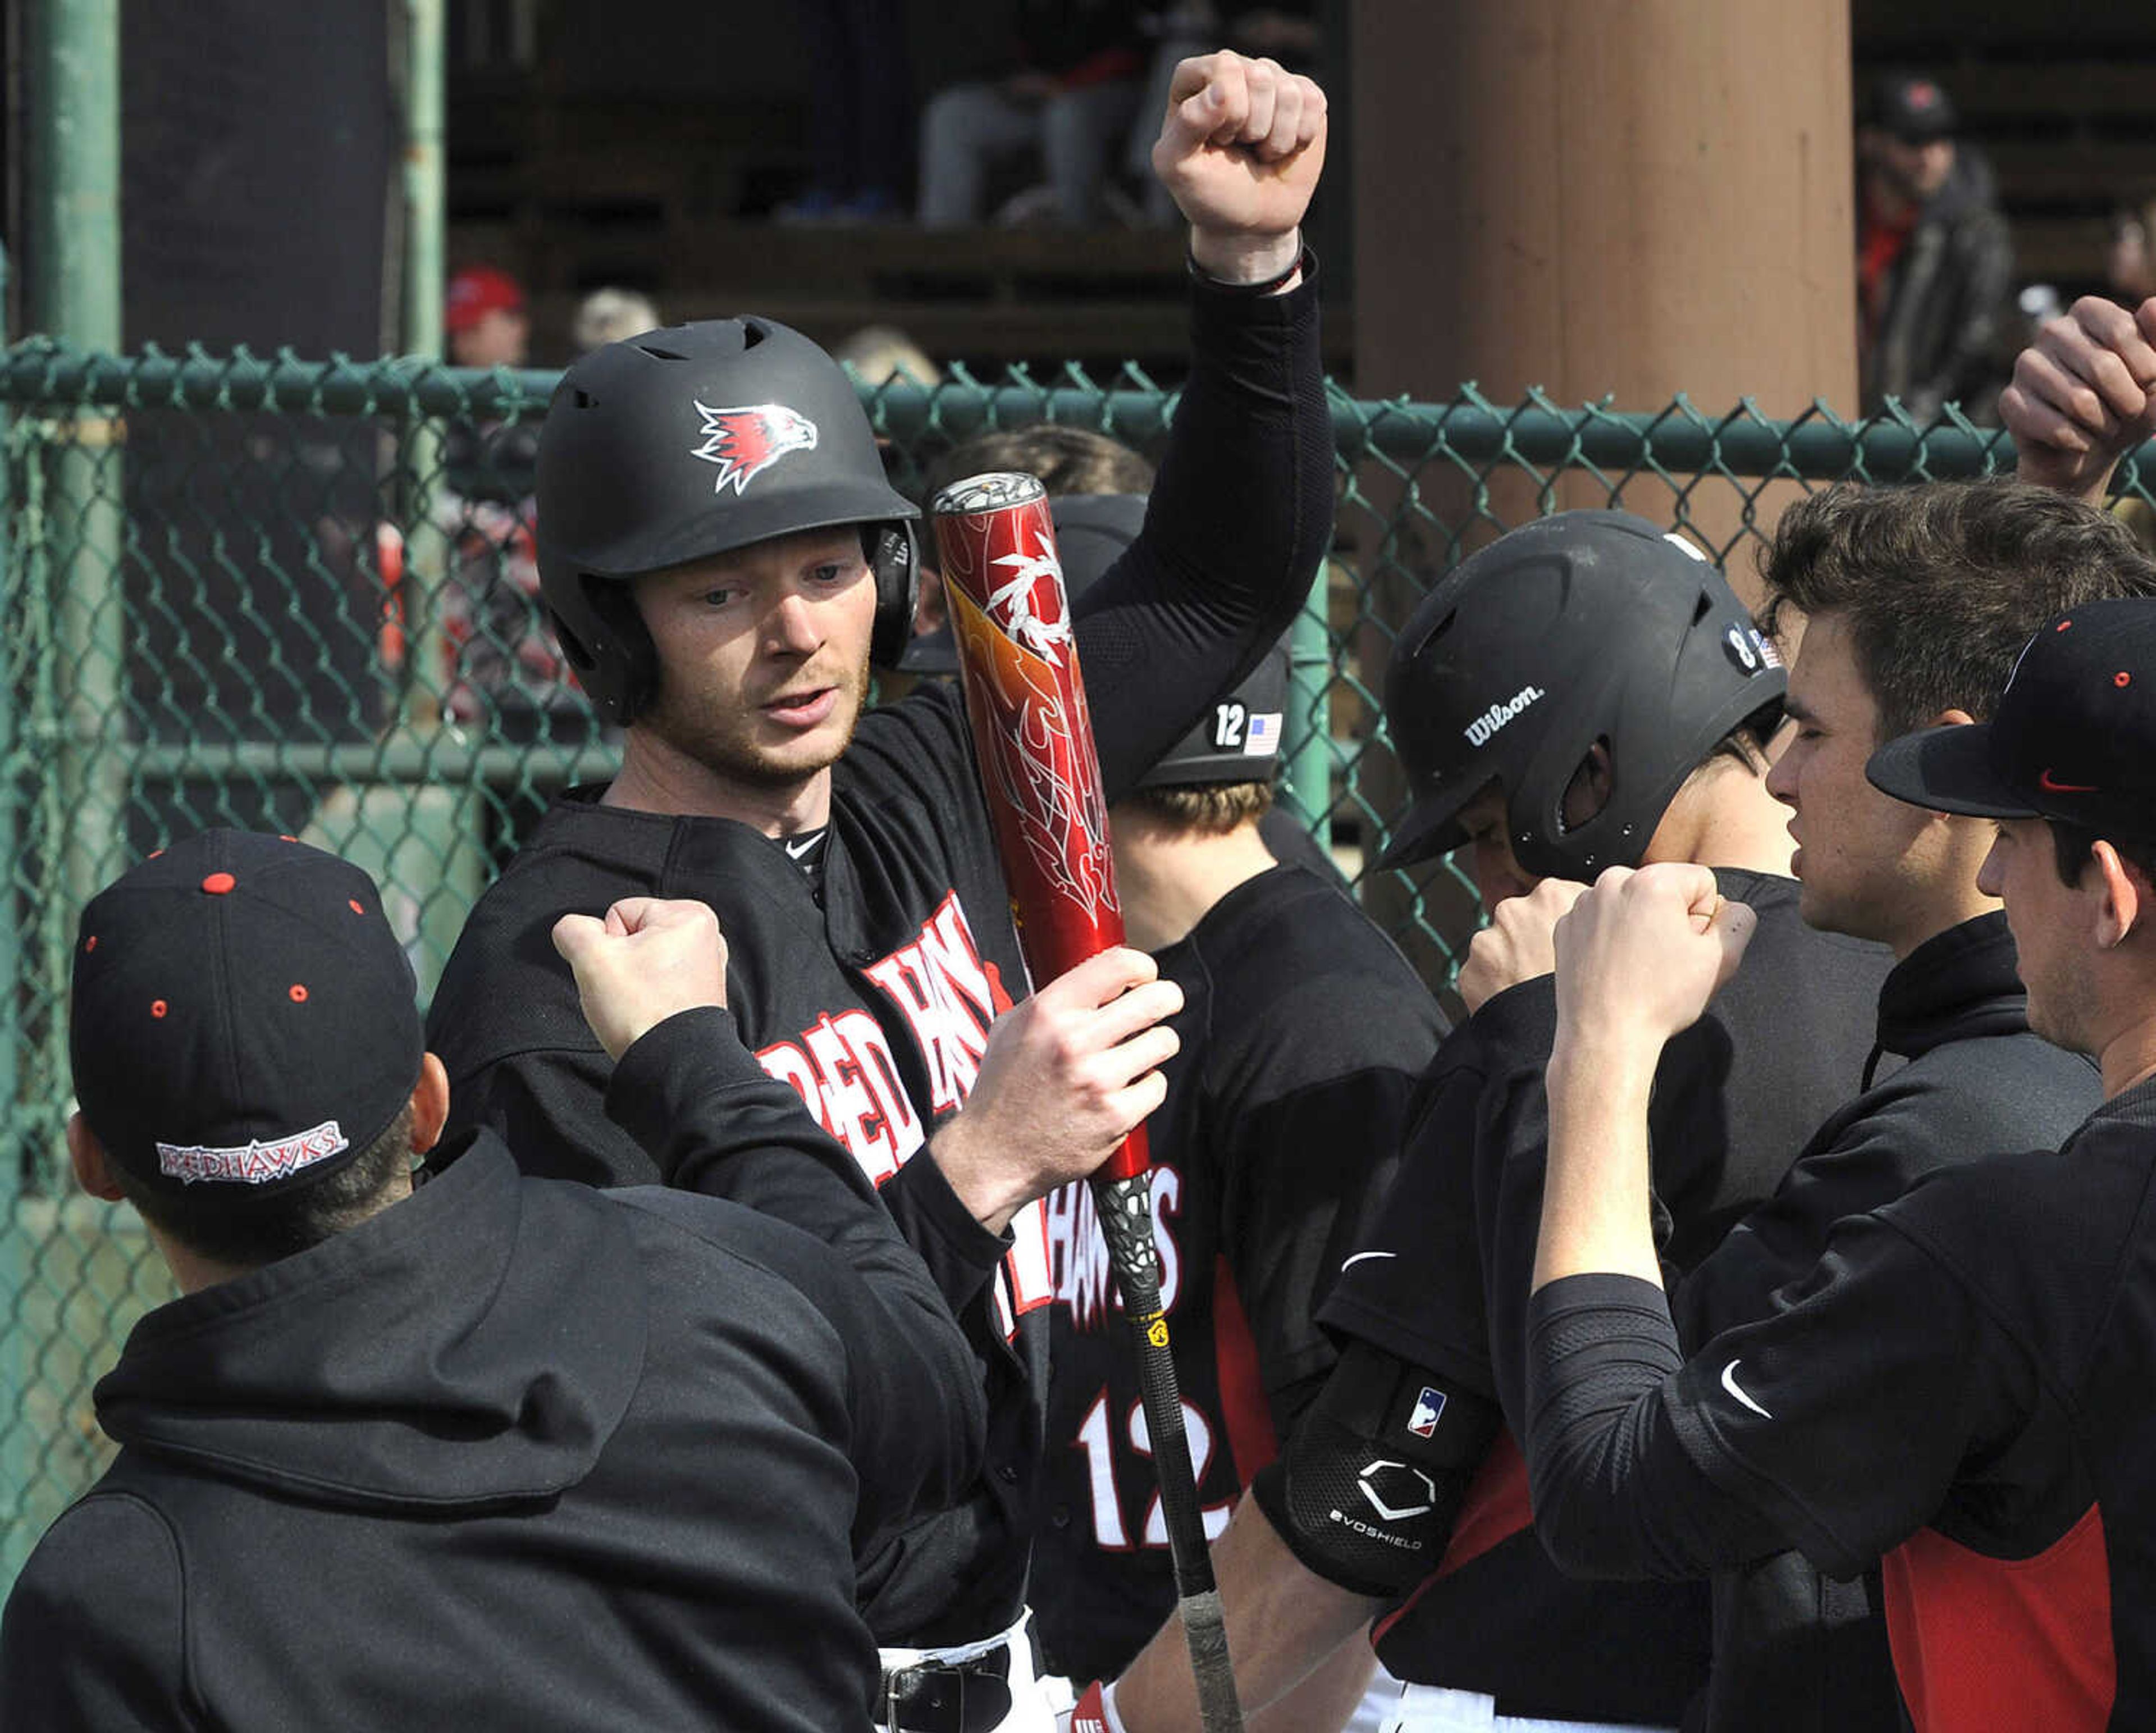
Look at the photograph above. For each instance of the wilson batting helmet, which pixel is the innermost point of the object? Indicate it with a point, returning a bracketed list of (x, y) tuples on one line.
[(1579, 628), (688, 442)]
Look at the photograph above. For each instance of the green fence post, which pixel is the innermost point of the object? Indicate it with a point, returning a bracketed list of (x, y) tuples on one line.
[(74, 295), (72, 205), (1307, 786), (419, 448), (18, 1452), (426, 42)]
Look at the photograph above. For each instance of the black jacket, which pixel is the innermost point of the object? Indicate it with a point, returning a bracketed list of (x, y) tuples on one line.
[(1795, 1650), (871, 991), (1957, 1390), (1940, 334), (512, 1454), (1734, 1096)]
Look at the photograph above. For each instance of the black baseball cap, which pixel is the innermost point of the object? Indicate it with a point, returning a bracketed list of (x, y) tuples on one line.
[(1913, 108), (243, 1015), (2074, 738)]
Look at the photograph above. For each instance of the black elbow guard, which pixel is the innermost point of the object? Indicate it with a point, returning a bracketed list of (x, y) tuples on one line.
[(1367, 1490)]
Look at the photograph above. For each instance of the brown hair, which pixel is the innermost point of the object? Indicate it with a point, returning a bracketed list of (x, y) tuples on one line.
[(1068, 459), (1206, 809), (1941, 584)]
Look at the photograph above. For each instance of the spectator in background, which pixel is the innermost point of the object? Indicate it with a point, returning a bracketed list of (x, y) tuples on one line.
[(1072, 100), (503, 671), (879, 353), (608, 316), (484, 319), (484, 324), (860, 113), (1933, 258)]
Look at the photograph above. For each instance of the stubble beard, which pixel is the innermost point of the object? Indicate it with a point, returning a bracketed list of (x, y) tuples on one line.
[(720, 736)]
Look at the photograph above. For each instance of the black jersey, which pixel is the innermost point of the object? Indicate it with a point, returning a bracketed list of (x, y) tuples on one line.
[(512, 1453), (1303, 1032), (1289, 843), (1954, 1073), (871, 991), (1958, 1391), (1735, 1098)]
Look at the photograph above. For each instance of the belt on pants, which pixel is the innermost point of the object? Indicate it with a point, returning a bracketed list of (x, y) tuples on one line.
[(960, 1689)]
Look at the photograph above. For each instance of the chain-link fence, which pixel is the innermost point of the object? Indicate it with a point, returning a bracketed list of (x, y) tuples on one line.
[(302, 598)]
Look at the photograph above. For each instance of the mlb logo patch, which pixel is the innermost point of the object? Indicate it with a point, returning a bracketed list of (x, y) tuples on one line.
[(1261, 738), (1429, 1405)]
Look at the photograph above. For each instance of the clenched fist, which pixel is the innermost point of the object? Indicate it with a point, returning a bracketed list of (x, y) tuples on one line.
[(646, 961), (1239, 150)]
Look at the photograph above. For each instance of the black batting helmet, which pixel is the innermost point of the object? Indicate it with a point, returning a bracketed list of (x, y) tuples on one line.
[(690, 441), (1581, 627)]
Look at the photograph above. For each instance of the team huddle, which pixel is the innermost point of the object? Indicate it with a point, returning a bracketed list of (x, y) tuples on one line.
[(1741, 1319)]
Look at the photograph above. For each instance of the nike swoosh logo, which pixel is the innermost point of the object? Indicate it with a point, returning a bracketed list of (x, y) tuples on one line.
[(1360, 1256), (807, 843), (1729, 1383), (2051, 785)]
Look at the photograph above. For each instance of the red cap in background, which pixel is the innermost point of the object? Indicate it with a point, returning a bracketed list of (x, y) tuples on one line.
[(475, 292)]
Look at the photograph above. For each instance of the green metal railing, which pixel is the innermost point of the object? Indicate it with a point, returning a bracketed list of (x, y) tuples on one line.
[(299, 596)]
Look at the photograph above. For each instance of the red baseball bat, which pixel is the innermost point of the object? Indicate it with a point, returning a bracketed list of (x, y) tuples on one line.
[(1032, 739), (1032, 734)]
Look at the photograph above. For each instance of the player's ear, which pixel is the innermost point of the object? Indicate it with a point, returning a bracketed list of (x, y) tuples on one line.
[(430, 1104), (2126, 891), (93, 1169)]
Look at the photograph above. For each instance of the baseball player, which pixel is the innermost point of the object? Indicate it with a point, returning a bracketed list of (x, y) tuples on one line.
[(446, 1457), (723, 556), (1585, 688), (1956, 1393)]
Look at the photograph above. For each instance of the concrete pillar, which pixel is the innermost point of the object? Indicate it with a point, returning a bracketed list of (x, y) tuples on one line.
[(1636, 196)]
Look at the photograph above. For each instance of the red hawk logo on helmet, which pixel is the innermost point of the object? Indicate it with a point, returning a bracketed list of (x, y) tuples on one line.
[(746, 441)]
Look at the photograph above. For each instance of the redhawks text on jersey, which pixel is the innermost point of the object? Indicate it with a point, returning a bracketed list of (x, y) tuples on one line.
[(842, 1067), (1078, 1251)]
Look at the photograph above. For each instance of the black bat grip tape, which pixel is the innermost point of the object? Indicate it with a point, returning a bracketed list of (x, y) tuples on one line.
[(1125, 1207)]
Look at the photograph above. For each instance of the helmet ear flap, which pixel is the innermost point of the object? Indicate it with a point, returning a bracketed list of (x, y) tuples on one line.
[(620, 676), (894, 556)]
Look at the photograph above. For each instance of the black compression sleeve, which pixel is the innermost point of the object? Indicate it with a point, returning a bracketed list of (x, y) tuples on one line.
[(1238, 522), (1615, 1493)]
